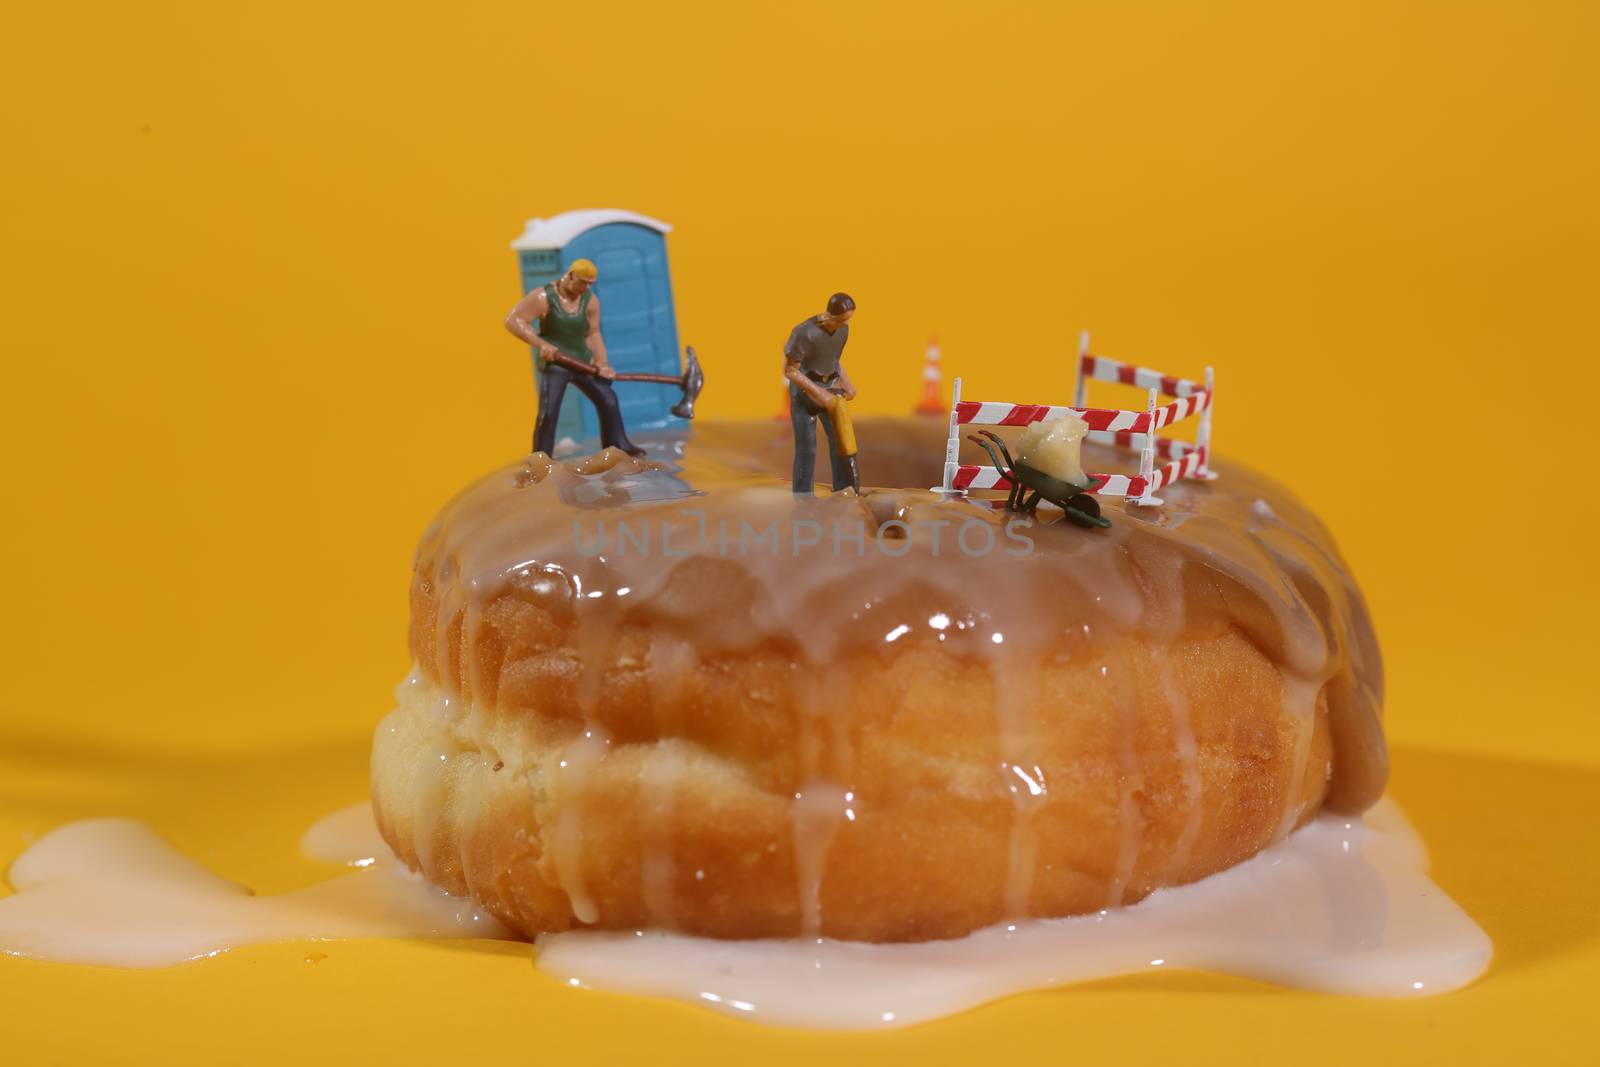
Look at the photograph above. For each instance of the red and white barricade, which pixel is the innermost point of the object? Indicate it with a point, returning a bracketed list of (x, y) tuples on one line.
[(1110, 426)]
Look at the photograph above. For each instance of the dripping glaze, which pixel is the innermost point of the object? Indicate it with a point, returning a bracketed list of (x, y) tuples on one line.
[(1341, 906), (542, 527)]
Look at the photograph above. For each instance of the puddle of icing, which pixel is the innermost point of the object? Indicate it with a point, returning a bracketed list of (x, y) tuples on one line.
[(112, 892), (1341, 906), (348, 836)]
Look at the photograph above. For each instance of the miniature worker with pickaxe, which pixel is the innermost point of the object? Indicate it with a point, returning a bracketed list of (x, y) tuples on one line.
[(572, 353), (818, 385)]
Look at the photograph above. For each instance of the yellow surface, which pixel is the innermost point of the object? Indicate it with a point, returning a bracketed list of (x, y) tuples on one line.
[(254, 269)]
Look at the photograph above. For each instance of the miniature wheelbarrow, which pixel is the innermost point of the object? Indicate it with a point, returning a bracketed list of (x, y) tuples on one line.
[(1029, 486)]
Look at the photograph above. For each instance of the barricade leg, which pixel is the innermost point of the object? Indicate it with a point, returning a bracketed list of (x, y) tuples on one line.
[(1203, 438), (1147, 459), (952, 449)]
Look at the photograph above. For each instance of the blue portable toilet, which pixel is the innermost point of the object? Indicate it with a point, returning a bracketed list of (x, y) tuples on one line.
[(637, 321)]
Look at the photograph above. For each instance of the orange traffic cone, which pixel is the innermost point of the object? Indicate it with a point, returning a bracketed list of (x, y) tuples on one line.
[(932, 402), (783, 411)]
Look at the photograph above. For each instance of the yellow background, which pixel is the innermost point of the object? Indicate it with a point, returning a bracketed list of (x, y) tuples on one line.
[(254, 269)]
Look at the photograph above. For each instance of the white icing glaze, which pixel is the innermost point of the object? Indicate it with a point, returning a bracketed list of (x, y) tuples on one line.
[(1339, 905), (112, 892), (1342, 906), (608, 540), (817, 811), (1189, 759), (1021, 773), (1168, 623), (578, 761), (560, 525), (1300, 697), (348, 836), (1130, 783), (661, 771)]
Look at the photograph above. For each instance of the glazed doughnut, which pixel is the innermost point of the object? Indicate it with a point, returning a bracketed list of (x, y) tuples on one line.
[(670, 695)]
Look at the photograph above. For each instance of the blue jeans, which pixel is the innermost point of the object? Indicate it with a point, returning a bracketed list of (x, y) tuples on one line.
[(803, 413), (553, 382)]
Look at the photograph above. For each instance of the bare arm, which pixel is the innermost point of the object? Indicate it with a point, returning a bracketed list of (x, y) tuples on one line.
[(519, 323), (597, 345), (820, 396)]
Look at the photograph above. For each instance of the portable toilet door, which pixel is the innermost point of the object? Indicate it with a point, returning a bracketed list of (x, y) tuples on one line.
[(637, 321)]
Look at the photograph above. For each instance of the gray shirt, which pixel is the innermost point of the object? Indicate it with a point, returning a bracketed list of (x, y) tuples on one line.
[(817, 350)]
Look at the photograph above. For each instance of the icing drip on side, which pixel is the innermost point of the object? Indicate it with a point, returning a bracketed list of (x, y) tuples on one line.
[(578, 761), (1300, 701), (1022, 775), (825, 802), (429, 786), (1167, 571), (1189, 757), (1130, 783), (663, 767), (818, 810), (582, 758)]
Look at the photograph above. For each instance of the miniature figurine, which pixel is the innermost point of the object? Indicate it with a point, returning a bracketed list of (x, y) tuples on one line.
[(818, 385), (573, 352)]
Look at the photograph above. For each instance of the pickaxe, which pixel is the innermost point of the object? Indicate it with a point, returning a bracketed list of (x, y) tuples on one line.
[(691, 381)]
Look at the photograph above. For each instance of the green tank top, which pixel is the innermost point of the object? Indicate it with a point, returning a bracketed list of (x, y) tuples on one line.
[(568, 331)]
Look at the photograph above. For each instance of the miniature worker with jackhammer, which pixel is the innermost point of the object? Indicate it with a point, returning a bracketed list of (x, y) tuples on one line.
[(818, 385)]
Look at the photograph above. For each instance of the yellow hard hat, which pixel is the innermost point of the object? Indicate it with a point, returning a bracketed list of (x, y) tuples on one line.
[(583, 268)]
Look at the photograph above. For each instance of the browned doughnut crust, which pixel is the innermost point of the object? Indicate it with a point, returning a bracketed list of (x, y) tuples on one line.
[(1156, 683), (928, 855)]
